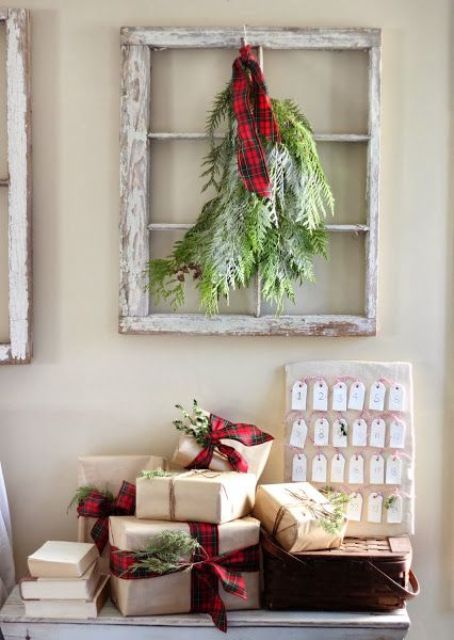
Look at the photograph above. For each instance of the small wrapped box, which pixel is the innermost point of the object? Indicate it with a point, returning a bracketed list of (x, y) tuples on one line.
[(232, 546), (299, 517), (107, 474), (198, 496)]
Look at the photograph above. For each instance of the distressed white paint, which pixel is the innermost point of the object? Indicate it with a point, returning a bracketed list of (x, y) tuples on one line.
[(254, 625), (319, 137), (19, 191)]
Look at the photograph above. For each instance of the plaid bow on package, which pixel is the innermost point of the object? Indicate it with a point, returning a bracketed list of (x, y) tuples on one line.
[(228, 446), (222, 575)]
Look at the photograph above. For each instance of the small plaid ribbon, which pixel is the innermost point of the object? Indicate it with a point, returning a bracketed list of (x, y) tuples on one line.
[(208, 569), (221, 429), (255, 118), (97, 505)]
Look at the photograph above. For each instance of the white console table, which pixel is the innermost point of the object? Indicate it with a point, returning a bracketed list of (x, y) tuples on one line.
[(243, 625)]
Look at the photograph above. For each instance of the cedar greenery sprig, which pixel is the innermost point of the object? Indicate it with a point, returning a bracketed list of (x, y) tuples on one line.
[(196, 424), (155, 473), (333, 521), (83, 492), (166, 553), (390, 500), (239, 234)]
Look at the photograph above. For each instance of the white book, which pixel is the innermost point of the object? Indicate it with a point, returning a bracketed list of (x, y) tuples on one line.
[(81, 588), (69, 609), (58, 559)]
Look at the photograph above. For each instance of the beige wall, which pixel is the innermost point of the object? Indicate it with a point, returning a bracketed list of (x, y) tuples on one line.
[(91, 390)]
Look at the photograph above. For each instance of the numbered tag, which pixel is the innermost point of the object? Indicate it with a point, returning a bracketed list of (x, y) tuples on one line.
[(397, 434), (377, 433), (339, 397), (355, 507), (356, 396), (393, 470), (321, 432), (319, 468), (299, 396), (337, 468), (340, 428), (374, 508), (394, 509), (356, 469), (299, 468), (320, 396), (299, 434), (377, 394), (359, 435), (396, 400), (377, 470)]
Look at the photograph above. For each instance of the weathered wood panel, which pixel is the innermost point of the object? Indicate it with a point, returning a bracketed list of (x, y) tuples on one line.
[(243, 325), (269, 38), (134, 179), (319, 137), (20, 191)]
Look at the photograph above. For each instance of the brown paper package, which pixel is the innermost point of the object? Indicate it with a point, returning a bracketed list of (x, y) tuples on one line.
[(172, 593), (282, 512), (198, 496)]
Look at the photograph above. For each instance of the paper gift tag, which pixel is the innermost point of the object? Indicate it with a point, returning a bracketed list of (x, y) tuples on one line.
[(339, 402), (356, 469), (319, 468), (377, 394), (377, 433), (299, 434), (299, 396), (359, 433), (320, 396), (340, 428), (337, 468), (299, 468), (396, 400), (321, 432), (374, 508), (393, 470), (356, 396), (355, 507), (394, 509), (377, 470), (397, 434)]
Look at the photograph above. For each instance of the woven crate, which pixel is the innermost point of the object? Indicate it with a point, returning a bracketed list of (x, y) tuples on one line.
[(362, 575)]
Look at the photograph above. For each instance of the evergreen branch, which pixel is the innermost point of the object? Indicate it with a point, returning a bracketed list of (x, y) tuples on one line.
[(83, 492), (155, 473), (167, 552), (196, 425)]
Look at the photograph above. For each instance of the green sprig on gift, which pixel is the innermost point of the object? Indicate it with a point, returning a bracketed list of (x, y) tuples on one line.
[(195, 424), (238, 234), (333, 521), (149, 474), (83, 492), (166, 553)]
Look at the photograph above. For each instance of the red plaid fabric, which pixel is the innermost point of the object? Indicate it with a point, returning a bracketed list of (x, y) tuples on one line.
[(98, 505), (221, 429), (255, 118), (208, 569)]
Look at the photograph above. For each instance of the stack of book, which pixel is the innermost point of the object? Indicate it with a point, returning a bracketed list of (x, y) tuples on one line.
[(64, 581)]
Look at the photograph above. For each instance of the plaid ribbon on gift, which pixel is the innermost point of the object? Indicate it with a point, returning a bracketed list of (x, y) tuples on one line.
[(98, 505), (220, 429), (255, 118), (208, 569)]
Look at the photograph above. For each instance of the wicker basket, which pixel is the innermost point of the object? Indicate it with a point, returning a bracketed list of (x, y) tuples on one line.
[(363, 575)]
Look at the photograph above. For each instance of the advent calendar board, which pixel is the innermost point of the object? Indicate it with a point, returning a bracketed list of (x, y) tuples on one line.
[(349, 425)]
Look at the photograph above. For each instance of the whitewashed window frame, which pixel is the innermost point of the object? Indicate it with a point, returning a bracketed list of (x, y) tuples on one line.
[(135, 316), (18, 182)]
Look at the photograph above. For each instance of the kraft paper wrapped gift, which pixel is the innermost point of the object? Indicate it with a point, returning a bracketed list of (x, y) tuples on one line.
[(108, 473), (294, 514), (173, 592), (198, 496)]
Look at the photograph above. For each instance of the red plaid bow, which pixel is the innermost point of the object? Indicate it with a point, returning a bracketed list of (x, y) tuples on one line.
[(208, 569), (254, 115), (221, 429), (98, 505)]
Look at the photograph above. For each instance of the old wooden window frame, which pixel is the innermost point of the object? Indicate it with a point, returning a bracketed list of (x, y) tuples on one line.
[(135, 137), (18, 350)]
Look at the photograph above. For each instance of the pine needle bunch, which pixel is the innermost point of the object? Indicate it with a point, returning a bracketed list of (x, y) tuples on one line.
[(239, 234), (333, 522), (196, 424), (83, 492), (168, 552), (149, 474)]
